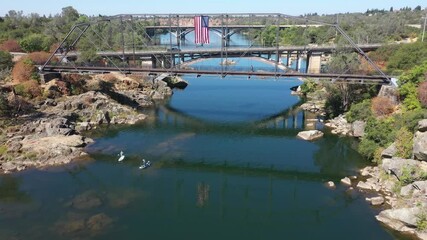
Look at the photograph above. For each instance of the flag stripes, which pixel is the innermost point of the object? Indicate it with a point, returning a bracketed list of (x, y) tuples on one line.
[(201, 29)]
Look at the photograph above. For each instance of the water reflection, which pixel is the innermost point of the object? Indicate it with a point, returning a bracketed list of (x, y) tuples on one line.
[(202, 194), (10, 191)]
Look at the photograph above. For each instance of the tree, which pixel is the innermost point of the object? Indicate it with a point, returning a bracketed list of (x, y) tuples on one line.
[(10, 45), (409, 83), (35, 43), (268, 36), (344, 62), (382, 106), (408, 56), (23, 71), (4, 106), (5, 60)]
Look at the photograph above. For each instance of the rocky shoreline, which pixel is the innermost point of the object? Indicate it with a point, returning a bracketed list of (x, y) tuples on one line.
[(405, 202), (52, 135)]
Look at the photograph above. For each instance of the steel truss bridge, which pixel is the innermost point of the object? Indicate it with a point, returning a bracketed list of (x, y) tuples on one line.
[(128, 59)]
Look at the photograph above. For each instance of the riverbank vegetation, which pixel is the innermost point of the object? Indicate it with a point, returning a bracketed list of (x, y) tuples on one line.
[(387, 120), (373, 26)]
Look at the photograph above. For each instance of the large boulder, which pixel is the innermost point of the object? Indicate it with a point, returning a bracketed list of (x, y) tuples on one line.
[(420, 146), (340, 126), (59, 126), (395, 165), (389, 92), (390, 151), (376, 201), (422, 125), (310, 135), (406, 216), (418, 187), (358, 128)]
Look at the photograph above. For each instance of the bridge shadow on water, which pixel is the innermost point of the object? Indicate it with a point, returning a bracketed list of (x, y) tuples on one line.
[(331, 160)]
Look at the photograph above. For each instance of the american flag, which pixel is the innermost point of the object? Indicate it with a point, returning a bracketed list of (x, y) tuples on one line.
[(201, 29)]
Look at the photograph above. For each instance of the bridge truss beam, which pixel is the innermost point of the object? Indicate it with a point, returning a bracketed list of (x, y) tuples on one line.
[(173, 23)]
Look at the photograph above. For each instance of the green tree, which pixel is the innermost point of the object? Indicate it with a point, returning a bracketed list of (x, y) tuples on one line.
[(407, 56), (268, 36), (404, 142), (378, 133), (5, 60), (344, 62), (409, 83), (35, 42), (4, 107)]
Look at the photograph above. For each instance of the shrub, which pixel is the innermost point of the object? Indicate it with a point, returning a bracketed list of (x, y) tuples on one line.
[(29, 89), (410, 119), (5, 60), (404, 143), (3, 149), (35, 42), (4, 106), (422, 221), (411, 174), (39, 58), (19, 104), (63, 87), (359, 111), (76, 82), (382, 106), (378, 133), (23, 70), (109, 77), (407, 56), (422, 93), (368, 148), (10, 46), (308, 86), (409, 84), (377, 158), (411, 102)]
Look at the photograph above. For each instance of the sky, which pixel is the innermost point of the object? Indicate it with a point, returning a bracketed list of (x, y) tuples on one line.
[(289, 7)]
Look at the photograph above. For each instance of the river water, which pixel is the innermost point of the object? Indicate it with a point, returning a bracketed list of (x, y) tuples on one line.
[(226, 164)]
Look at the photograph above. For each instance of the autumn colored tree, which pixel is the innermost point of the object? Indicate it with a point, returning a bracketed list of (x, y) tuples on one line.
[(10, 45), (23, 71), (382, 106), (29, 89), (39, 58)]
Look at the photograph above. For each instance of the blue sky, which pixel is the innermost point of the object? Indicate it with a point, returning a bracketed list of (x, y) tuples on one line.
[(291, 7)]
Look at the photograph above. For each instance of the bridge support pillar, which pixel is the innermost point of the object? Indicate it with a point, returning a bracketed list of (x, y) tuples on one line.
[(288, 59), (297, 63), (178, 37), (314, 64), (278, 56), (153, 61), (295, 121), (307, 62), (227, 37)]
